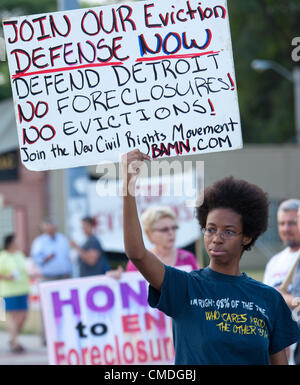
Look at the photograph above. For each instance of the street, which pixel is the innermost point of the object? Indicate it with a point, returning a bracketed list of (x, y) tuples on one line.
[(35, 353)]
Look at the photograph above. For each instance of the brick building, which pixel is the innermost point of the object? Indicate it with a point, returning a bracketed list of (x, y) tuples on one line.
[(23, 193)]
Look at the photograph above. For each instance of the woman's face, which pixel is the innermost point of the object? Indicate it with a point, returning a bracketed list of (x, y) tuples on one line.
[(226, 249), (163, 233)]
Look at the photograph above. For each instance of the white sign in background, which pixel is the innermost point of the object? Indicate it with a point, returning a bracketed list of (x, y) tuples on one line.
[(90, 84), (105, 205), (103, 321)]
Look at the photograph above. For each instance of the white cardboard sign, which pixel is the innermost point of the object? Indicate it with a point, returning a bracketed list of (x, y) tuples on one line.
[(90, 84), (105, 205)]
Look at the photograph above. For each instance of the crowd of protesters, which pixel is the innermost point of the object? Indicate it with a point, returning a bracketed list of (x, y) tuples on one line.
[(226, 217), (50, 260)]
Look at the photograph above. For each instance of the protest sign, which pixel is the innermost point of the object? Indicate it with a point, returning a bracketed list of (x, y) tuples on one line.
[(90, 84), (103, 321)]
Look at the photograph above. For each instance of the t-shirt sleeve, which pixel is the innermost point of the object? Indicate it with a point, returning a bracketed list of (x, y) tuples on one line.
[(285, 331), (172, 297)]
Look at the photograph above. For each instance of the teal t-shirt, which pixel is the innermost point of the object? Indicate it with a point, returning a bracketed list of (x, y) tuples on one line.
[(223, 319)]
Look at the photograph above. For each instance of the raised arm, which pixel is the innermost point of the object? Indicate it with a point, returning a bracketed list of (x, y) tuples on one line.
[(145, 261)]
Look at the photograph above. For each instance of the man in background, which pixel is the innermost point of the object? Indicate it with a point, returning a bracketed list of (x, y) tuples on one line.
[(280, 264), (92, 259), (50, 251), (294, 298)]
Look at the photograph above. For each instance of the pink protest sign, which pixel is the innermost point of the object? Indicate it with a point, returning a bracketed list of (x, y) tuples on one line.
[(103, 321)]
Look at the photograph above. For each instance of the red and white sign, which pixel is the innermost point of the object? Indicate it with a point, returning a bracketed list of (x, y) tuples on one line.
[(90, 84)]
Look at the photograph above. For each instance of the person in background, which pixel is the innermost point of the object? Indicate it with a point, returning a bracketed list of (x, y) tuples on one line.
[(14, 287), (280, 264), (92, 259), (219, 314), (50, 251), (292, 297), (160, 225)]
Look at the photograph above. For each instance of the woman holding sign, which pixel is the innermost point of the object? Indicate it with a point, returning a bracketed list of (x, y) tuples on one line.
[(220, 315)]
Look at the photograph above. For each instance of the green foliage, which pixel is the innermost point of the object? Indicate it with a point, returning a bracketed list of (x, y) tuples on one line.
[(5, 89), (20, 7), (264, 29), (29, 7)]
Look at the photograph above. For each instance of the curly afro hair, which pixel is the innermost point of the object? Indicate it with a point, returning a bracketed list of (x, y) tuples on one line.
[(246, 199)]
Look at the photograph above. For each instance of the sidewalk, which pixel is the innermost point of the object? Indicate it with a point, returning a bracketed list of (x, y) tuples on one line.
[(35, 354)]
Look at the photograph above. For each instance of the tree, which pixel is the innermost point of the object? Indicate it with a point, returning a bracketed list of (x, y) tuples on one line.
[(10, 8), (264, 29)]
